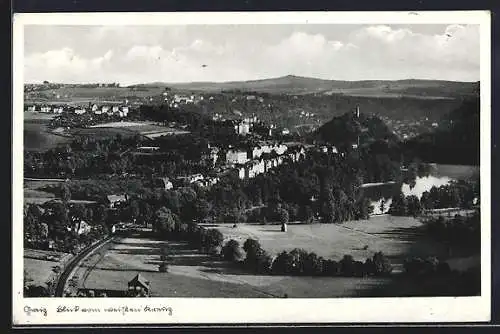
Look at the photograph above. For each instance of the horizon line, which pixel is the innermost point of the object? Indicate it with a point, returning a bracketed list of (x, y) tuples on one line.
[(244, 80)]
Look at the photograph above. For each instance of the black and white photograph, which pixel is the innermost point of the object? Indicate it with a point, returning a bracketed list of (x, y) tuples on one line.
[(249, 158)]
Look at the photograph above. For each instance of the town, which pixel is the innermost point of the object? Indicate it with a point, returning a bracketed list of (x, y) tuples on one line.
[(250, 161), (176, 173)]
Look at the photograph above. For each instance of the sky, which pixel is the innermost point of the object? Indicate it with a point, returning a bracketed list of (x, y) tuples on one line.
[(188, 53)]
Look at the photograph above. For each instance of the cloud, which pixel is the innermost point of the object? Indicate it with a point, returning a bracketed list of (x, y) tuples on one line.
[(152, 54), (64, 64)]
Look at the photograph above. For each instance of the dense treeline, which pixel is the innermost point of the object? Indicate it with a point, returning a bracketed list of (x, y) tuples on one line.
[(88, 157), (461, 231), (58, 226), (457, 194), (455, 141), (320, 185), (299, 262)]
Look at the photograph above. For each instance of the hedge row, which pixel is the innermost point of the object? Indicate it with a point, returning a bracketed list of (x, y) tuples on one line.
[(204, 239), (301, 262), (431, 265)]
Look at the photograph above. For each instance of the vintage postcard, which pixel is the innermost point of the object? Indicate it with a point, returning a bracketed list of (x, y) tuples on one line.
[(255, 168)]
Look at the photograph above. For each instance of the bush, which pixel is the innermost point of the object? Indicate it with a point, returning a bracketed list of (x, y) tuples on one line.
[(232, 251), (298, 262), (359, 269), (347, 266), (256, 259), (431, 265), (263, 262), (331, 268), (381, 264), (369, 267), (414, 266), (298, 259), (213, 239), (312, 264), (282, 264), (163, 267), (251, 246)]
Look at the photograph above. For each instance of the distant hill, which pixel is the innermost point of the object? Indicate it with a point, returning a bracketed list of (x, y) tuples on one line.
[(292, 84)]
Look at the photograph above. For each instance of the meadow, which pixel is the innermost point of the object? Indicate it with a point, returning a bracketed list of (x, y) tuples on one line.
[(39, 138), (39, 264), (195, 274), (396, 237)]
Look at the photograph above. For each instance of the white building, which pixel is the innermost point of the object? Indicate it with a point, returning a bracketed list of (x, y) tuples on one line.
[(80, 111), (31, 108), (236, 157), (241, 172), (242, 128), (148, 149), (81, 227), (280, 149), (94, 108), (105, 109), (214, 154), (45, 109)]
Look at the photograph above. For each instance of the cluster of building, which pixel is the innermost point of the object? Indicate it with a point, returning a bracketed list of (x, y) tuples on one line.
[(407, 129), (263, 157), (177, 100), (121, 111)]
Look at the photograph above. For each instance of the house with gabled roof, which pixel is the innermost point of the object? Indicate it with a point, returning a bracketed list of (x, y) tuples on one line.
[(139, 283), (116, 200)]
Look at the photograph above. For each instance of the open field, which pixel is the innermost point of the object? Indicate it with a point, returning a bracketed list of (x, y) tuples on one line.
[(140, 127), (377, 92), (36, 116), (396, 237), (147, 129), (39, 264), (126, 124), (194, 274), (102, 133), (152, 135), (34, 193), (79, 95), (37, 137)]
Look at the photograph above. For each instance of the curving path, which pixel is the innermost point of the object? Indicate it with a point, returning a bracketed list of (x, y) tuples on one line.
[(72, 264)]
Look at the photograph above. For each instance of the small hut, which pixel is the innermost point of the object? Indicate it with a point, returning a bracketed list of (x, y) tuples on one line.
[(138, 286)]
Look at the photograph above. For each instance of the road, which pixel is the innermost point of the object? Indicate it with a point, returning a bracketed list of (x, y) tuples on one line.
[(72, 264)]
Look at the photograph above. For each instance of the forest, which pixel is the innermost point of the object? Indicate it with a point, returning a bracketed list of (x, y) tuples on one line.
[(455, 141)]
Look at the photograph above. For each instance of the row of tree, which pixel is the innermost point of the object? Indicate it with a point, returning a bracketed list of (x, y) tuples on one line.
[(456, 194), (461, 231), (300, 262), (55, 226)]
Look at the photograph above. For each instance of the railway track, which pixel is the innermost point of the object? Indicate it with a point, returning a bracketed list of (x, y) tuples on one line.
[(74, 263)]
